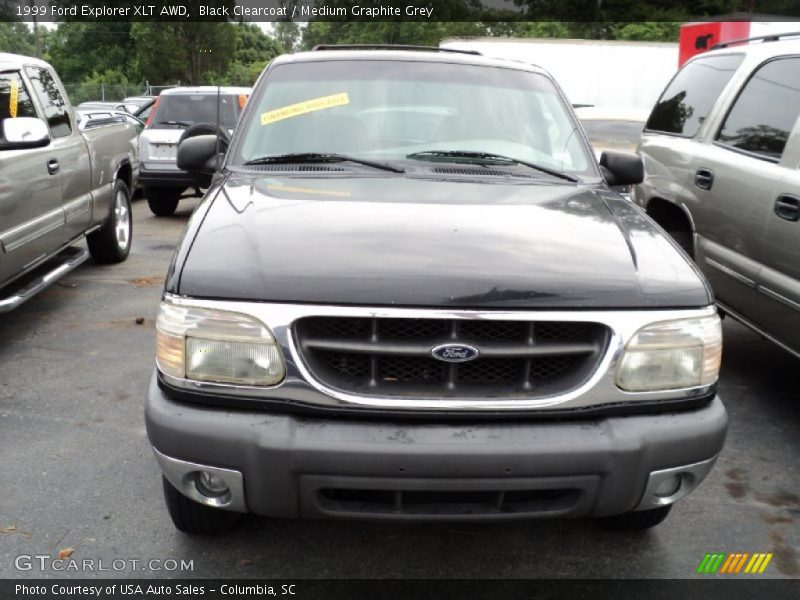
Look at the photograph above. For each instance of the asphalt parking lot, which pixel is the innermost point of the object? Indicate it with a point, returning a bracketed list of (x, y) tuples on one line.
[(78, 472)]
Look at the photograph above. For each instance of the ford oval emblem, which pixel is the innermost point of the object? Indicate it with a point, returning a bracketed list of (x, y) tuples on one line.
[(455, 353)]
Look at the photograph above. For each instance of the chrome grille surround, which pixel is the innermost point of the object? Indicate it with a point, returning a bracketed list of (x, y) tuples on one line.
[(301, 387), (397, 357)]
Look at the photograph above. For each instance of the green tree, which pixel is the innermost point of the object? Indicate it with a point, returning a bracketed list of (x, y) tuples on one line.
[(111, 84), (288, 35), (253, 45), (182, 51), (662, 31), (17, 38), (78, 49), (395, 32), (613, 11), (253, 51)]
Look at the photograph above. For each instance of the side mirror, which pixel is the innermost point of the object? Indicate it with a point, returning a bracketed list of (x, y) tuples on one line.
[(24, 132), (198, 156), (621, 168)]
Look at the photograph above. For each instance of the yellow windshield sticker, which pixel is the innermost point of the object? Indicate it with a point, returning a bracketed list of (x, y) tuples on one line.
[(301, 108), (13, 99)]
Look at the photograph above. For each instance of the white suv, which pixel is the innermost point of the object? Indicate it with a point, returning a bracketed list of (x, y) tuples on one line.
[(179, 112)]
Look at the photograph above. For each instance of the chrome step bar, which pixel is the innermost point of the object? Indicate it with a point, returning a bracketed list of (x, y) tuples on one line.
[(71, 259)]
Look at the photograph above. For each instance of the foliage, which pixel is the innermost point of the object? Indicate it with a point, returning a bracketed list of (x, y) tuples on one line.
[(17, 38), (646, 31), (111, 84), (288, 35), (182, 51), (253, 51), (102, 47), (413, 33)]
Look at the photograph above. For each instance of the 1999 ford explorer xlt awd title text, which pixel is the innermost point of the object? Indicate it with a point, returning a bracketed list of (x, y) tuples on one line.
[(409, 293)]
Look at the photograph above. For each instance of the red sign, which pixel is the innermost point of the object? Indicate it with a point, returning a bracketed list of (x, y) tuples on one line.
[(699, 37)]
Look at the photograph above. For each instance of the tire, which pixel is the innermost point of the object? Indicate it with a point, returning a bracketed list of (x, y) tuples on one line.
[(162, 201), (636, 521), (685, 241), (195, 518), (112, 242)]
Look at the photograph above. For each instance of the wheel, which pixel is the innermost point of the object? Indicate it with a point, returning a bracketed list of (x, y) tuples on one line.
[(162, 201), (685, 241), (636, 521), (195, 518), (112, 242)]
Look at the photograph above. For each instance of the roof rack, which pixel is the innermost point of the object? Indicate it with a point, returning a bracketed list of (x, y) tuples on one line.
[(774, 37), (391, 47)]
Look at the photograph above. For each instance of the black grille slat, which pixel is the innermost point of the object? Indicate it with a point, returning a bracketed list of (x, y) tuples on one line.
[(351, 365), (494, 330), (410, 369), (490, 370), (393, 357), (447, 502), (410, 328)]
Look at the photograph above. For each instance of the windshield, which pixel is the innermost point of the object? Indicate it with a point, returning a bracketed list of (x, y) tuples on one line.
[(182, 110), (387, 110)]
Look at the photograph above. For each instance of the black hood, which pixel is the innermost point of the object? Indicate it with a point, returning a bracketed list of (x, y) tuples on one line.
[(405, 241)]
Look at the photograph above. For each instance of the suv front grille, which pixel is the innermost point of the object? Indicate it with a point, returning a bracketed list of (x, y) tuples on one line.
[(393, 357)]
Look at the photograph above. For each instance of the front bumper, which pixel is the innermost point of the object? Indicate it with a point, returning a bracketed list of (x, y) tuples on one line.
[(299, 466)]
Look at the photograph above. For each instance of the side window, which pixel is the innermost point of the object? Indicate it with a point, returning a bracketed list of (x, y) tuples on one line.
[(766, 110), (14, 98), (686, 102), (55, 108)]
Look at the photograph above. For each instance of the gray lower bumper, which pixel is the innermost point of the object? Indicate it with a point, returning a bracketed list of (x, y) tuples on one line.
[(165, 177), (293, 466)]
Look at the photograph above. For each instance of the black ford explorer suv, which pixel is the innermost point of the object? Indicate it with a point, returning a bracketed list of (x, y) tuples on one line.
[(409, 293)]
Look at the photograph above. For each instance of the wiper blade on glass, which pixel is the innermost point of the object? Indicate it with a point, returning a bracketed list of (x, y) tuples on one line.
[(312, 157), (486, 158), (180, 123)]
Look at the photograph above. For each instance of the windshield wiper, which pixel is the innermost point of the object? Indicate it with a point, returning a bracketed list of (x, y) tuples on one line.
[(179, 123), (485, 159), (312, 157)]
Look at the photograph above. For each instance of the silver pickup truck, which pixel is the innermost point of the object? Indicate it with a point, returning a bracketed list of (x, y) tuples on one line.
[(57, 184)]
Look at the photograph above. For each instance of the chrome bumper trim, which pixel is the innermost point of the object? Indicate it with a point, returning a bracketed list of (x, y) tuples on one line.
[(301, 387), (687, 476), (182, 475)]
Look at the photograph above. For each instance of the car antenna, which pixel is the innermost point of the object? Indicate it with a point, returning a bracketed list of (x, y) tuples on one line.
[(219, 97)]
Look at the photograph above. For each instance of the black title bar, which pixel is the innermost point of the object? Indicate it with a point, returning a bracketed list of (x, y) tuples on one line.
[(487, 11)]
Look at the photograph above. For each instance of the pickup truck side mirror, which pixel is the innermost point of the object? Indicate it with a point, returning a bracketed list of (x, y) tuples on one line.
[(23, 132), (621, 168)]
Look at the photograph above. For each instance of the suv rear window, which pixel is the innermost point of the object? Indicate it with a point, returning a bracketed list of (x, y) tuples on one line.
[(182, 110), (765, 111), (690, 95)]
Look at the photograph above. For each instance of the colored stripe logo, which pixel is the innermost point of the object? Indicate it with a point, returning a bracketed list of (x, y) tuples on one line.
[(734, 563)]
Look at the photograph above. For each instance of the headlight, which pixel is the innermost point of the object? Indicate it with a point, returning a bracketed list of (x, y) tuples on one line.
[(215, 345), (672, 354)]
